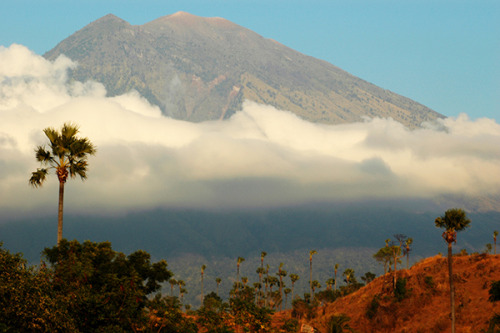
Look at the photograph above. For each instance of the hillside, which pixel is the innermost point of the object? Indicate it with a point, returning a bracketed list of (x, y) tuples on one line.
[(426, 309), (197, 69)]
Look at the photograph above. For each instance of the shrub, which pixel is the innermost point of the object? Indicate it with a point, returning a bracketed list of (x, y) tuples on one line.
[(495, 291), (290, 325), (372, 309), (400, 292), (429, 282)]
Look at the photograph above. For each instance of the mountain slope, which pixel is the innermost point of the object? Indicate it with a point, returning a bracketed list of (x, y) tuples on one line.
[(426, 308), (198, 69)]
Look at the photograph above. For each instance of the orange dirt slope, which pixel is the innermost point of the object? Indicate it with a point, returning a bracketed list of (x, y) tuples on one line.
[(427, 306)]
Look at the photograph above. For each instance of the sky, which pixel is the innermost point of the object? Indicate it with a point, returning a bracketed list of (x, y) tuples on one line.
[(260, 156), (441, 53)]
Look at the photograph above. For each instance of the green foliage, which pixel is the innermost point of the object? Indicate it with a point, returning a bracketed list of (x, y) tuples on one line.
[(328, 295), (494, 292), (454, 219), (302, 309), (372, 308), (246, 314), (494, 326), (368, 277), (27, 299), (105, 288), (165, 315), (339, 324), (290, 325), (400, 292), (429, 282), (213, 315)]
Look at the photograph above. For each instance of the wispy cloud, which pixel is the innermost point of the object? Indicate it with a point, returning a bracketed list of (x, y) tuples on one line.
[(260, 156)]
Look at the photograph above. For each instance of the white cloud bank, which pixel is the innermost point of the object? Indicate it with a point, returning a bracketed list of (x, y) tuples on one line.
[(261, 156)]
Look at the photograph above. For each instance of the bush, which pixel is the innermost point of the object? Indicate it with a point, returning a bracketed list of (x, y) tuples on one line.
[(429, 282), (372, 309), (290, 325), (495, 291), (400, 292), (339, 324)]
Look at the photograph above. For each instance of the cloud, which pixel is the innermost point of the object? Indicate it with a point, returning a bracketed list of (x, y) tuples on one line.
[(259, 157)]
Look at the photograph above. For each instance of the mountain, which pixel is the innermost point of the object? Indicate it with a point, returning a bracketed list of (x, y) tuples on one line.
[(197, 69)]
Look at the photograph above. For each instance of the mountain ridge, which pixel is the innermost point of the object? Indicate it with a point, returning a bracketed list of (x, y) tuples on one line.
[(198, 69)]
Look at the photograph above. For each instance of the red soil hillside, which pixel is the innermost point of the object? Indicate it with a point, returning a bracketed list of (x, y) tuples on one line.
[(427, 307)]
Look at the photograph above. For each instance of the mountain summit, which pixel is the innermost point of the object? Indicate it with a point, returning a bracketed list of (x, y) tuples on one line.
[(197, 69)]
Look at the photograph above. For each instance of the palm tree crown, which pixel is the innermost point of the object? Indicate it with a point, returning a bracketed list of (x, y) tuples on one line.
[(67, 154)]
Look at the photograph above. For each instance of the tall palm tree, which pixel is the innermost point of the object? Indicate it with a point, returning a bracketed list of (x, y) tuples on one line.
[(286, 291), (311, 253), (335, 272), (315, 285), (238, 262), (407, 250), (218, 281), (281, 273), (260, 271), (262, 255), (452, 221), (294, 278), (181, 285), (329, 283), (202, 273), (173, 282), (495, 234), (67, 154)]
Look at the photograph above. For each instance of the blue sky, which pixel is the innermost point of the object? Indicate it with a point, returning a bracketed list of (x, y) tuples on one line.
[(444, 53)]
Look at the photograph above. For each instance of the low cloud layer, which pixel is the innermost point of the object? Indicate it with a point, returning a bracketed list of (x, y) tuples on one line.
[(259, 157)]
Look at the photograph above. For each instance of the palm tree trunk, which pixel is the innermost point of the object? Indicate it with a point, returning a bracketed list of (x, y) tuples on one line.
[(60, 212), (452, 291), (310, 279)]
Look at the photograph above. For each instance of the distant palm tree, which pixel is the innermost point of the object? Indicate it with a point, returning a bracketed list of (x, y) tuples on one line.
[(238, 262), (260, 271), (67, 154), (495, 234), (262, 255), (315, 285), (335, 272), (257, 287), (294, 278), (173, 282), (202, 273), (281, 274), (181, 285), (311, 253), (453, 220), (286, 291), (329, 283), (407, 250), (218, 281), (348, 275)]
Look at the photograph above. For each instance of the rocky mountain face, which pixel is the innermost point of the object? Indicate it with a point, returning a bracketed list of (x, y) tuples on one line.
[(198, 69)]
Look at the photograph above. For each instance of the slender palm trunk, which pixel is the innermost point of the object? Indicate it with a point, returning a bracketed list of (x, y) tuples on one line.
[(201, 289), (452, 289), (60, 212), (310, 279)]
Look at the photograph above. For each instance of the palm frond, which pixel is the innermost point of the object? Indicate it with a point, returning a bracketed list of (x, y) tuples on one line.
[(38, 177), (78, 168), (43, 156)]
